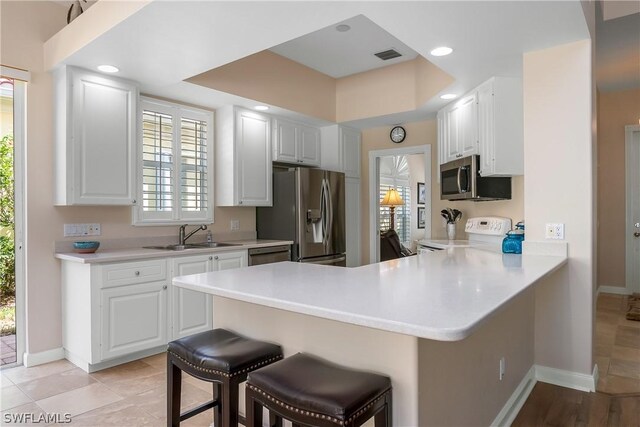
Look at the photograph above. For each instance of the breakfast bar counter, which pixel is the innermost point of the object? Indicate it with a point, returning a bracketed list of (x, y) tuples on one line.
[(437, 324)]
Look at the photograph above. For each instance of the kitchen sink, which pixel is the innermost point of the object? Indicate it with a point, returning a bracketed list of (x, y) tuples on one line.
[(190, 246), (213, 245)]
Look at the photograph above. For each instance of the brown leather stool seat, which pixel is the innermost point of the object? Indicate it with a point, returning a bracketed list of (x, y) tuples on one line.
[(310, 391), (222, 358)]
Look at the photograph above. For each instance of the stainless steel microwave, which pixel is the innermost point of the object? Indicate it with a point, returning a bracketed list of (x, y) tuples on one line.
[(460, 180)]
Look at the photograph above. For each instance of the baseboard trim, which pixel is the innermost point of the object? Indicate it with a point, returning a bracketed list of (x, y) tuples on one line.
[(94, 367), (520, 395), (35, 359), (618, 290), (562, 378)]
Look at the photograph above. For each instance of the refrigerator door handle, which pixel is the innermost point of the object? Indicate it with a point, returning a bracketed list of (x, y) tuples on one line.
[(323, 212), (330, 213)]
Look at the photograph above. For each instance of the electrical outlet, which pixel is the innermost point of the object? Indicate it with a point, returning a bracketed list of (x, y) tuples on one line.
[(235, 224), (503, 368), (75, 230), (554, 231)]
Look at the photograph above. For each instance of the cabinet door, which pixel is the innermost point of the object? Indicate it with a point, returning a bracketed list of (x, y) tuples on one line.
[(191, 311), (309, 146), (467, 122), (350, 146), (486, 129), (253, 157), (230, 260), (134, 318), (103, 114), (285, 144), (451, 145)]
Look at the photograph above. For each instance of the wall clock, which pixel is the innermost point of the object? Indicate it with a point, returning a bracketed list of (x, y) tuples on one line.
[(398, 134)]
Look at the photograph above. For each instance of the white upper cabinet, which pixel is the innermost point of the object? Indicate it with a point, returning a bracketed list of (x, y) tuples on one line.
[(341, 150), (488, 121), (95, 133), (500, 127), (461, 135), (243, 158), (295, 143)]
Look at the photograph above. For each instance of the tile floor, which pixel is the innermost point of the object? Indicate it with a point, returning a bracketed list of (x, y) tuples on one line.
[(133, 394), (7, 349), (617, 346)]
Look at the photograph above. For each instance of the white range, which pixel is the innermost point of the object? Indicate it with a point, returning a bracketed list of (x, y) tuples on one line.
[(486, 232)]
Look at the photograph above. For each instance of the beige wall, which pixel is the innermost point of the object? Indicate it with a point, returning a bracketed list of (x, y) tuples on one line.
[(558, 118), (421, 133), (275, 80), (615, 111), (458, 381), (25, 26)]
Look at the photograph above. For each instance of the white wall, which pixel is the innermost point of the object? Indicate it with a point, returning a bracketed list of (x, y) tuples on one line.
[(558, 187)]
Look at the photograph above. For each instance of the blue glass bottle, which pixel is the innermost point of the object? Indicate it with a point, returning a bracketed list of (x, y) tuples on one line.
[(512, 243)]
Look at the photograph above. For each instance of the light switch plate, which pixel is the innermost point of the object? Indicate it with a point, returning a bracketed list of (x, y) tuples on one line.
[(554, 231)]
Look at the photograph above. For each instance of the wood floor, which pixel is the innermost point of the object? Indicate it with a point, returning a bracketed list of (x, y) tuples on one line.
[(550, 405)]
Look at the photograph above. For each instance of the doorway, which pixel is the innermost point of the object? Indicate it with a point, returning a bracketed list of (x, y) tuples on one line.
[(632, 228), (406, 170), (12, 137)]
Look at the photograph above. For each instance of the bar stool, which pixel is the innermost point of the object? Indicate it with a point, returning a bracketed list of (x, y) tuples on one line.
[(309, 391), (222, 358)]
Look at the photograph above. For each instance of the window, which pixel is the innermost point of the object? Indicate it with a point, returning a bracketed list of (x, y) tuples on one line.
[(175, 148), (402, 213)]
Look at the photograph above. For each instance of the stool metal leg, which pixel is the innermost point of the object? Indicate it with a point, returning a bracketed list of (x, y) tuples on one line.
[(174, 389)]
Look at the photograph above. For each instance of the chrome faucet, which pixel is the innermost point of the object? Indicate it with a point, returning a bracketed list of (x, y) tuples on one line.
[(183, 238)]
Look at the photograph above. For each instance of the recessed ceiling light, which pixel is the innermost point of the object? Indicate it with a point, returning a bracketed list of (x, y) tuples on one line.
[(343, 28), (448, 96), (261, 108), (441, 51), (108, 68)]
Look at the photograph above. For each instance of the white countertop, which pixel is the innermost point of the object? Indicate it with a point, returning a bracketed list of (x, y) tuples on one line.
[(442, 295), (132, 254)]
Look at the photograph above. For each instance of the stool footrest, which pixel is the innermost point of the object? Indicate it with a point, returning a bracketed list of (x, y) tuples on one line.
[(198, 409)]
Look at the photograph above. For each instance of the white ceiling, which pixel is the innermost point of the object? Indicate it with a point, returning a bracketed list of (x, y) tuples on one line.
[(339, 54), (167, 42)]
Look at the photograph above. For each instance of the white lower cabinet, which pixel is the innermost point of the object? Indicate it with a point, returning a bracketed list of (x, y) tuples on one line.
[(191, 311), (117, 312), (134, 318)]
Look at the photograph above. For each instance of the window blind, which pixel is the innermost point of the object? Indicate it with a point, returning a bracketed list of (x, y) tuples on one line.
[(193, 168), (157, 162)]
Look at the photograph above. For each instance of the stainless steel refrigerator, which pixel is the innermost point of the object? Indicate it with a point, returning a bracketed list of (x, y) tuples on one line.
[(308, 208)]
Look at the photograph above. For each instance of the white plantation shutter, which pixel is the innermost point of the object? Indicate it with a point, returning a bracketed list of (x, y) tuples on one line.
[(176, 149)]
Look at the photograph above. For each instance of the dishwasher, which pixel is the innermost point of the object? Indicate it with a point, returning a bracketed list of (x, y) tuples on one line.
[(268, 255)]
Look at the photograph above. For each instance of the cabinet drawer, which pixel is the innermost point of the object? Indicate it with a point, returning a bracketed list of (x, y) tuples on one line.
[(133, 272)]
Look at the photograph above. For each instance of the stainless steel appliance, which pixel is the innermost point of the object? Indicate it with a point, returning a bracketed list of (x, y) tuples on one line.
[(308, 208), (461, 180), (270, 254), (485, 232)]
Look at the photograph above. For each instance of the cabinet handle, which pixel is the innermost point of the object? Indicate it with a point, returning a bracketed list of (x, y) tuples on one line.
[(210, 258), (134, 201), (458, 156), (240, 202), (137, 273), (164, 287), (216, 257)]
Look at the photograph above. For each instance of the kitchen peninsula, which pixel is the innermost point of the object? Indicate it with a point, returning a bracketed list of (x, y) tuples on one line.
[(437, 323)]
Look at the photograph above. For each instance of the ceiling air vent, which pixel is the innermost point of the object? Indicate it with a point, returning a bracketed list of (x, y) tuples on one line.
[(388, 54)]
